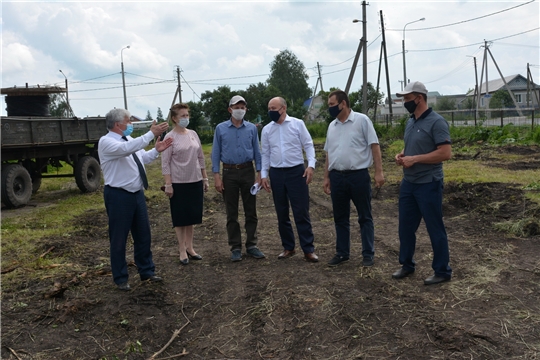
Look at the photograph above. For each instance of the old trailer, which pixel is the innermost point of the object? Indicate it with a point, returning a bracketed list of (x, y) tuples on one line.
[(31, 143)]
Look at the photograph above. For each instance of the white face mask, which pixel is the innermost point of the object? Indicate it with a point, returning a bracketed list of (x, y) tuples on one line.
[(184, 122), (238, 114)]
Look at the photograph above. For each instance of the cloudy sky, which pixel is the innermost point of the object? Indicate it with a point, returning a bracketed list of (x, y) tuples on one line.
[(233, 42)]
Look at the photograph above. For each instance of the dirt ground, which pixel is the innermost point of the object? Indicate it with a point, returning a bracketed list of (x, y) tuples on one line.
[(291, 309)]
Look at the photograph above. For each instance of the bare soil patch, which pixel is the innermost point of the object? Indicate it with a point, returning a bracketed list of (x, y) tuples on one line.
[(291, 309)]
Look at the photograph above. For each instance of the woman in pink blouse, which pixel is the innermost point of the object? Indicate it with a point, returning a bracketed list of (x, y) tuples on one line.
[(183, 167)]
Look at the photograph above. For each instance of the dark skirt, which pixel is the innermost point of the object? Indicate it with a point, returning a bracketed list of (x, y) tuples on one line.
[(187, 204)]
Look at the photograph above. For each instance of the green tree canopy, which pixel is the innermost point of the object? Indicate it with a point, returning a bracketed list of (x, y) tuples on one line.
[(501, 99), (148, 116), (355, 98), (57, 106), (159, 116), (444, 103), (196, 115), (215, 104), (288, 75)]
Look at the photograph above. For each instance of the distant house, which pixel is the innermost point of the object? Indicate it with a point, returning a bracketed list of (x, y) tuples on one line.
[(516, 83), (314, 105)]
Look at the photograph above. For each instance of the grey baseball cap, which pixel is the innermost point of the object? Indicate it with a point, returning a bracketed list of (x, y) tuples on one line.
[(236, 99), (413, 87)]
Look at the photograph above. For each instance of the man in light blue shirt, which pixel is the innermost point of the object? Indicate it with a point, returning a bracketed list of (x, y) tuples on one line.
[(282, 142), (236, 145)]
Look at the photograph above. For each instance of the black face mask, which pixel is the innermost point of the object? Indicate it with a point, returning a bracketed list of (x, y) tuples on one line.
[(410, 106), (274, 114), (334, 111)]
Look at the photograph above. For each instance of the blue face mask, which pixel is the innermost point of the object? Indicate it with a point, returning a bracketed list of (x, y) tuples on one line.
[(128, 131)]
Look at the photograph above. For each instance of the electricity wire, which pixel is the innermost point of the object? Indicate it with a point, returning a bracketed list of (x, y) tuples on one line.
[(464, 21)]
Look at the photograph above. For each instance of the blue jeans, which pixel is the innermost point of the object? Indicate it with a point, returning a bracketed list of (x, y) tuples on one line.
[(127, 212), (289, 185), (356, 186), (417, 201)]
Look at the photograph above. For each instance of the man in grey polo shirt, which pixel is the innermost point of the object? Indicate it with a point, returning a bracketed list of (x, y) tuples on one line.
[(427, 145), (351, 148)]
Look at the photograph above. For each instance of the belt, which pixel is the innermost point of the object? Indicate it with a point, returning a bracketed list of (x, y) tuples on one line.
[(347, 171), (238, 166), (122, 189)]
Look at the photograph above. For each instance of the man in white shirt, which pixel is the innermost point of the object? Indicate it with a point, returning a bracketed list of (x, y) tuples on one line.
[(282, 142), (121, 158), (351, 148)]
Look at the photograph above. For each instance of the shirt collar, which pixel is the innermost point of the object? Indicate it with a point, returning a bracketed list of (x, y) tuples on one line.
[(349, 118), (230, 123), (424, 114)]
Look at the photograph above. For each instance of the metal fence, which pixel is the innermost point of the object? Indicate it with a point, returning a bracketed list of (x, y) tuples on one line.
[(492, 117)]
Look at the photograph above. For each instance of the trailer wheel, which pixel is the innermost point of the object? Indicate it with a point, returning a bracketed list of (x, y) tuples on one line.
[(16, 186), (88, 174)]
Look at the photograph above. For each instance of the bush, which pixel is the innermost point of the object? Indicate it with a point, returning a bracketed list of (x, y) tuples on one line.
[(318, 130)]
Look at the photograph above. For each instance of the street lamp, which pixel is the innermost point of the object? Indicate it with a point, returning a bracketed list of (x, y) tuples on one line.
[(67, 94), (123, 79), (403, 45)]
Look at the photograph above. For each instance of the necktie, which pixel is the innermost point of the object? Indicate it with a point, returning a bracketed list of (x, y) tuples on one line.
[(141, 168)]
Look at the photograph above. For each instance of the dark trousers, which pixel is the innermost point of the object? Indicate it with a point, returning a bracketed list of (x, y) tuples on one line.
[(238, 182), (288, 185), (356, 186), (127, 212), (417, 201)]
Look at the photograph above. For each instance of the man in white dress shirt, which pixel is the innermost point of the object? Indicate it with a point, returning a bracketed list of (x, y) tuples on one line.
[(121, 158), (282, 142)]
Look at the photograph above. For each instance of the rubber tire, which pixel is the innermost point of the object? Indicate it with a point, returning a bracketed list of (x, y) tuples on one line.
[(88, 174), (16, 186)]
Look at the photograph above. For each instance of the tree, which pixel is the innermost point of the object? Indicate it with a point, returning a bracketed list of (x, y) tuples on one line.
[(444, 103), (215, 104), (57, 106), (501, 99), (373, 97), (196, 115), (288, 75), (355, 99), (148, 116), (159, 116)]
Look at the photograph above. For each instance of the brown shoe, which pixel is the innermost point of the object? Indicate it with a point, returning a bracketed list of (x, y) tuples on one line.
[(311, 257), (286, 254)]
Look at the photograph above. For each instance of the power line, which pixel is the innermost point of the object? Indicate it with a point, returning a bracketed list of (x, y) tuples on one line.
[(190, 86), (479, 43), (464, 21)]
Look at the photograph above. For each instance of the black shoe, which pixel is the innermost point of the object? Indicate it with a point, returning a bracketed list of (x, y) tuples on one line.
[(152, 278), (434, 279), (124, 286), (185, 261), (194, 257), (401, 273), (336, 260), (367, 261)]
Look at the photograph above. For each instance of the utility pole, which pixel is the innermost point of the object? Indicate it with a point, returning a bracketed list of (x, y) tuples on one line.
[(364, 62), (179, 84), (355, 62), (505, 84), (320, 77), (386, 68), (378, 83), (123, 79)]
